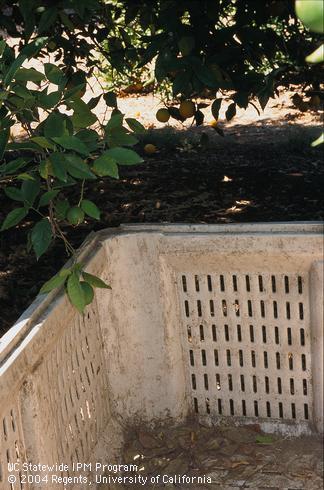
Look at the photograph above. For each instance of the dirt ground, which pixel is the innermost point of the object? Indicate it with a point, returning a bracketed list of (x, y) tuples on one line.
[(224, 458), (262, 170)]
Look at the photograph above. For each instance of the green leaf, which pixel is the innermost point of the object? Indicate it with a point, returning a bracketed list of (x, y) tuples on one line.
[(2, 46), (25, 176), (13, 218), (55, 125), (47, 19), (20, 90), (89, 138), (75, 292), (124, 156), (14, 193), (199, 118), (25, 145), (66, 272), (120, 137), (94, 102), (58, 164), (30, 190), (54, 74), (14, 67), (181, 84), (186, 45), (231, 111), (116, 121), (41, 237), (95, 281), (61, 208), (44, 168), (317, 56), (90, 209), (110, 99), (34, 47), (264, 439), (106, 166), (27, 52), (43, 142), (14, 165), (88, 292), (215, 108), (175, 113), (72, 143), (47, 197), (135, 125), (29, 75), (82, 116), (48, 101), (76, 167), (4, 138), (55, 282), (74, 91), (263, 98), (206, 76), (66, 20)]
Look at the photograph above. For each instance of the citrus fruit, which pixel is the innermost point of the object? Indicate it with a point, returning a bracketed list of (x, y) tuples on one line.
[(315, 101), (87, 292), (75, 215), (162, 115), (150, 149), (311, 13), (187, 109), (51, 46)]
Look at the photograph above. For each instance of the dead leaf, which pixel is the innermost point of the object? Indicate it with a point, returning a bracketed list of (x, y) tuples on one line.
[(235, 464), (148, 441)]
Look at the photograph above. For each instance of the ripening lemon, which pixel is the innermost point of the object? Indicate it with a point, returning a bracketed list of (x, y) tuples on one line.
[(187, 109), (150, 149), (162, 115), (75, 215)]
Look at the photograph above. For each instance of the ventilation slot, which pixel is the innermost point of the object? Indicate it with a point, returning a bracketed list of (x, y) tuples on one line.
[(260, 367)]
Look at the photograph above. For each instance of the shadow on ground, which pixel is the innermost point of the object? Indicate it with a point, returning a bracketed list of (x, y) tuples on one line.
[(257, 172)]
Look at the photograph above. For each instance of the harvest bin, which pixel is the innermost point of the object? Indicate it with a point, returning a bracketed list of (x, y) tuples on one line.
[(223, 322)]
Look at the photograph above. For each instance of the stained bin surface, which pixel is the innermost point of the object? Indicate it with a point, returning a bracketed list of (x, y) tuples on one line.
[(219, 323)]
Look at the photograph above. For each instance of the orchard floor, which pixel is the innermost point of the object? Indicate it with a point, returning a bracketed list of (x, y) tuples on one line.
[(233, 458), (262, 170)]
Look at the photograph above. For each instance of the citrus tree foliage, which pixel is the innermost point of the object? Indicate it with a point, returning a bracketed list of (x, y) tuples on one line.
[(311, 12), (73, 27), (196, 47), (58, 151), (203, 46)]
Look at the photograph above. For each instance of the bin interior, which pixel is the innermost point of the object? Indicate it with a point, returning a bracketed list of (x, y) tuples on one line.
[(219, 323)]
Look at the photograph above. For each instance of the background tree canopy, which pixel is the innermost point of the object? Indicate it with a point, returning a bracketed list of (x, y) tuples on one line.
[(241, 48), (198, 46)]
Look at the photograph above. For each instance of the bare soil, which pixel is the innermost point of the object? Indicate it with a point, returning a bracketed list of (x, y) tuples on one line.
[(230, 457)]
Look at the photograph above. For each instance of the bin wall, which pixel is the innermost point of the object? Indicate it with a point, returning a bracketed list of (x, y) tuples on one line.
[(145, 352)]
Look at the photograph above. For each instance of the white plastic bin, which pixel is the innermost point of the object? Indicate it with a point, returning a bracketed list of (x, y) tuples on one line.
[(221, 321)]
